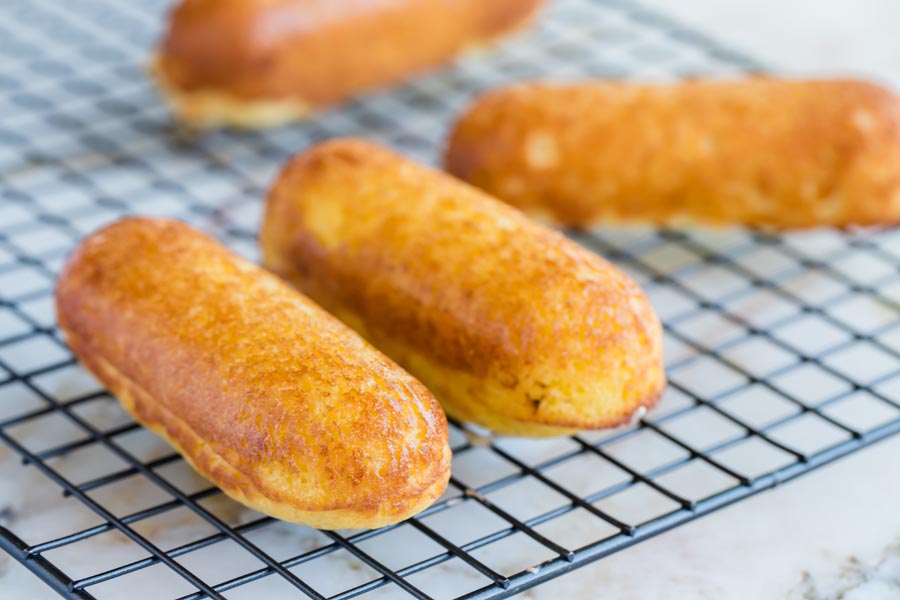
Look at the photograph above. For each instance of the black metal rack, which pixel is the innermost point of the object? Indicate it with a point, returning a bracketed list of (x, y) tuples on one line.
[(783, 351)]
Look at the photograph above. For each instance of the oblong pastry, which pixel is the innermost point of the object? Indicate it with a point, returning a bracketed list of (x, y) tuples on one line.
[(279, 404), (511, 325), (760, 152), (259, 63)]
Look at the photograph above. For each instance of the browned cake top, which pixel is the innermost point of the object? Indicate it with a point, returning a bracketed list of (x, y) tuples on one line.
[(758, 151), (321, 50), (281, 390), (469, 281)]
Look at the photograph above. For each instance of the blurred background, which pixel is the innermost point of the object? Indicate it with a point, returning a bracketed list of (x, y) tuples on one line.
[(857, 37)]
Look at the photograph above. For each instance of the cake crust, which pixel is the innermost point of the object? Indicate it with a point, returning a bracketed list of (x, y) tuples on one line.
[(758, 152), (260, 63), (276, 402), (511, 325)]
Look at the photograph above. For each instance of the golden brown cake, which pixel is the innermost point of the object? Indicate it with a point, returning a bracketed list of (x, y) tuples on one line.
[(275, 401), (758, 152), (511, 325), (257, 63)]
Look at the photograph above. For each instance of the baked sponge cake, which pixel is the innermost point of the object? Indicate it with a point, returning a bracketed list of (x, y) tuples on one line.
[(512, 325), (257, 63), (759, 152), (279, 404)]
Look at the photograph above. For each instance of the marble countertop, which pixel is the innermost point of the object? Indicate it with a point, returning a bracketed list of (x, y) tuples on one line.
[(834, 533), (831, 534), (807, 37)]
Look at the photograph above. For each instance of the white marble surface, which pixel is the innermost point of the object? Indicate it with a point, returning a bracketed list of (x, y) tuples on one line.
[(828, 37), (793, 543), (831, 534)]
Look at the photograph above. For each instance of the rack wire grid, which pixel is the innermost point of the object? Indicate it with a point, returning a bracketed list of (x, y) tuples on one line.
[(782, 351)]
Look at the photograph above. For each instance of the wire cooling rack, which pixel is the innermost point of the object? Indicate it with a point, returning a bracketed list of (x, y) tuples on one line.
[(782, 350)]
